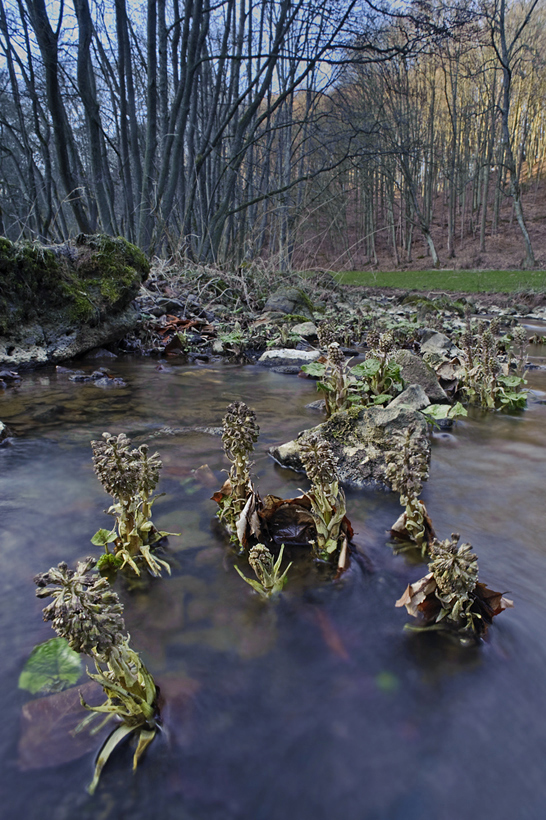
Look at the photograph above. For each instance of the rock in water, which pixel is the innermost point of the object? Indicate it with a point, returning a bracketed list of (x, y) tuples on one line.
[(360, 440), (415, 371)]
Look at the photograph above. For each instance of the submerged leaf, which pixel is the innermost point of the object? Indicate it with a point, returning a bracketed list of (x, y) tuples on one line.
[(51, 667), (48, 725)]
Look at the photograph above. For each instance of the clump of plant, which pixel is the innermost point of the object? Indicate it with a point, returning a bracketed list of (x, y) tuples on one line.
[(406, 470), (240, 433), (130, 477), (381, 377), (270, 579), (88, 614), (519, 336), (375, 381), (450, 596), (326, 497), (484, 381), (326, 333)]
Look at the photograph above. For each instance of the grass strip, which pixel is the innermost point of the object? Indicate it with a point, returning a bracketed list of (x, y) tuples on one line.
[(468, 281)]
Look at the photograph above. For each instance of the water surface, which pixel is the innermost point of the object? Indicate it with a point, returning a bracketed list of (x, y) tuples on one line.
[(319, 706)]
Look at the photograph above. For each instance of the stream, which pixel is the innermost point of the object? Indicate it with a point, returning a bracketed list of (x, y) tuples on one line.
[(319, 705)]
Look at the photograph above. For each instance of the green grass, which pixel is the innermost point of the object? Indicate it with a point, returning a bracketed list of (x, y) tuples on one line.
[(467, 281)]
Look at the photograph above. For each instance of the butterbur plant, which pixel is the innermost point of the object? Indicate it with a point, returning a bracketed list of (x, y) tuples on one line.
[(406, 471), (375, 381), (130, 477), (485, 381), (240, 433), (270, 579), (450, 597), (326, 497), (88, 614)]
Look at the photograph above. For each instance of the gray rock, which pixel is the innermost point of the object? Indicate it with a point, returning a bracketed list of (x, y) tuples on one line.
[(434, 342), (412, 398), (360, 441), (305, 329), (285, 356), (60, 339), (289, 300), (319, 405), (415, 371), (4, 432)]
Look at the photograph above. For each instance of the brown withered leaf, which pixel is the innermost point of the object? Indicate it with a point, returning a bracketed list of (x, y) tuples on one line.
[(224, 491), (248, 525), (47, 725), (492, 602), (288, 521), (399, 531), (416, 594)]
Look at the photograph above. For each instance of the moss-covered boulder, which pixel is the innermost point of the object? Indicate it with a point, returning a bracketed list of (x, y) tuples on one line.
[(59, 301), (360, 439)]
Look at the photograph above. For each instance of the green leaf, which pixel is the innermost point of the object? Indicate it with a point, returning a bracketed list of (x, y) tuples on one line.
[(510, 381), (51, 667), (457, 410), (103, 537), (367, 369), (382, 398), (437, 411), (315, 369)]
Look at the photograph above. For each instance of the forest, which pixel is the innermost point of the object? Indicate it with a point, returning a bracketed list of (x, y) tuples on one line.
[(308, 133)]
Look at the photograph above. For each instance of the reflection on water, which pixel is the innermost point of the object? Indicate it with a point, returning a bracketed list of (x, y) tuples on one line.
[(320, 706)]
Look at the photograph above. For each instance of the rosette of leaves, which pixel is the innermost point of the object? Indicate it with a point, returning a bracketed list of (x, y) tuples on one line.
[(372, 382), (130, 477), (326, 497), (240, 433), (379, 377), (270, 579), (88, 614), (406, 471), (450, 596)]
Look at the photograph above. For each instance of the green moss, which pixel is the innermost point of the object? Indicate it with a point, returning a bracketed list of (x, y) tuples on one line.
[(87, 278)]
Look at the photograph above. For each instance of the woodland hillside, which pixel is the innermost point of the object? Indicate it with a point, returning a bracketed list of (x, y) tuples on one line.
[(305, 134)]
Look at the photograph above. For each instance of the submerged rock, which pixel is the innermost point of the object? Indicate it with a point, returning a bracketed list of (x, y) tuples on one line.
[(60, 301), (360, 440)]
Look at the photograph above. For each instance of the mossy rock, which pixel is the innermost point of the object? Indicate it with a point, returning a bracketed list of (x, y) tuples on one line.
[(361, 438), (87, 280), (58, 301)]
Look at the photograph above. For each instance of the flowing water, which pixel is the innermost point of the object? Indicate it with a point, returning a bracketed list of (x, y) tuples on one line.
[(320, 705)]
